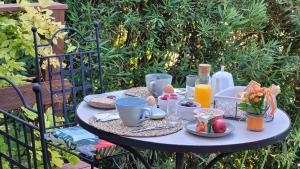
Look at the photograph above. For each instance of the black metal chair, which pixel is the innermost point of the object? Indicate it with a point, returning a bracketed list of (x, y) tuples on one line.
[(75, 75), (20, 140)]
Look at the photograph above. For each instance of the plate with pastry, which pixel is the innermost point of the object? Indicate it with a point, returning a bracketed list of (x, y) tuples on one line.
[(101, 101)]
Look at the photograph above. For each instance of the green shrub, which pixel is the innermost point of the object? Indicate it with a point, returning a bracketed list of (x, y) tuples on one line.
[(16, 46), (255, 40)]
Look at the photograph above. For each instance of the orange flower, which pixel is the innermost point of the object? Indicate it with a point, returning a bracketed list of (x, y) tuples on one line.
[(256, 88), (260, 94), (256, 100), (245, 100)]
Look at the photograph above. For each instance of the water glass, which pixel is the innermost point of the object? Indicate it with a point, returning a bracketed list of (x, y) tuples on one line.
[(190, 86), (172, 117)]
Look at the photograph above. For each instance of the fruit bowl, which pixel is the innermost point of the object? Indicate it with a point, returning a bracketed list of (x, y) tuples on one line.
[(186, 109), (162, 100)]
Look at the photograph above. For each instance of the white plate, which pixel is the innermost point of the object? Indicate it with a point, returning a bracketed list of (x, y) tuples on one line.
[(191, 128), (89, 97)]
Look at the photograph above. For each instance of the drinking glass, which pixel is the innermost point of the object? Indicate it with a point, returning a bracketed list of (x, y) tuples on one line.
[(190, 86), (172, 117)]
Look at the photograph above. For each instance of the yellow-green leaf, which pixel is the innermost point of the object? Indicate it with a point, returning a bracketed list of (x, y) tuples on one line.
[(45, 3)]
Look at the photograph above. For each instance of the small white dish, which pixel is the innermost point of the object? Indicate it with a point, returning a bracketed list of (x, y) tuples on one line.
[(162, 104), (157, 114), (187, 113)]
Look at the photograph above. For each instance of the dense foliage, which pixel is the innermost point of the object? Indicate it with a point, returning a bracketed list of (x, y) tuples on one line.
[(16, 46), (256, 40)]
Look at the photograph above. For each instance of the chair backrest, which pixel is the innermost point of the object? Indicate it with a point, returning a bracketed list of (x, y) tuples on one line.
[(70, 76), (20, 140)]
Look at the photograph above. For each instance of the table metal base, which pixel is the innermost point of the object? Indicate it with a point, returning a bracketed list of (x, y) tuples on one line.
[(179, 158)]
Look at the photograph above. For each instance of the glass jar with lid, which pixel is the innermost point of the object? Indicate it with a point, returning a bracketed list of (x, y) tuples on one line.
[(203, 90)]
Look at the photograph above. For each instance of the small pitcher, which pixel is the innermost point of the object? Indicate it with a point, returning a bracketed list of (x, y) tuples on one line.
[(271, 103)]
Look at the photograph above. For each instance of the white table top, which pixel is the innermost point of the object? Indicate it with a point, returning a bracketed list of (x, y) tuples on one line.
[(182, 141)]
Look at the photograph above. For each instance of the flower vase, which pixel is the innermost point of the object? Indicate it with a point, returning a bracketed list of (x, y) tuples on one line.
[(272, 106), (255, 122)]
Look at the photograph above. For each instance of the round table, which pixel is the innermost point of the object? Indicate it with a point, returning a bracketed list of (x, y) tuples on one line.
[(183, 142)]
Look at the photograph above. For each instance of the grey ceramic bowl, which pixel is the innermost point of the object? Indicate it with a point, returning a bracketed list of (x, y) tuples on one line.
[(156, 82)]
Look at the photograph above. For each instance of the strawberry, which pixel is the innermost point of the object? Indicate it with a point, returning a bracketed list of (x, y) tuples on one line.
[(164, 98)]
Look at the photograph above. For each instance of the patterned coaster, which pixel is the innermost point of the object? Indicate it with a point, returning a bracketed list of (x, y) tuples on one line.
[(138, 92), (117, 127)]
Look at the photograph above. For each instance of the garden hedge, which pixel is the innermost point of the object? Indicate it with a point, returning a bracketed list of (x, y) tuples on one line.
[(255, 40)]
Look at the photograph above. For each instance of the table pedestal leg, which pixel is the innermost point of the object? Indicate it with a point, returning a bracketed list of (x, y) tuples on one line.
[(179, 160)]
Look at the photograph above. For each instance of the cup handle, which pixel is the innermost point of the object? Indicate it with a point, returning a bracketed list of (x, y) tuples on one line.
[(152, 85), (143, 115)]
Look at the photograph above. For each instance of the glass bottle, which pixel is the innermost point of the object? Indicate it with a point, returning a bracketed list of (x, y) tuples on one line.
[(203, 90)]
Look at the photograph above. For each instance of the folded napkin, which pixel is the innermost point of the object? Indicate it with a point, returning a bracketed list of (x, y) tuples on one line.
[(102, 117)]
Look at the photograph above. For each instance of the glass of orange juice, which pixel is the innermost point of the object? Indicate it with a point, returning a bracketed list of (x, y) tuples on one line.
[(203, 90), (203, 95)]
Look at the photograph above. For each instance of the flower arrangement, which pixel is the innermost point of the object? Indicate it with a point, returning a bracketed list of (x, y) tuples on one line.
[(257, 100)]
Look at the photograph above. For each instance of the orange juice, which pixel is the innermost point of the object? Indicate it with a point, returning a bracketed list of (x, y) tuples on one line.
[(203, 95)]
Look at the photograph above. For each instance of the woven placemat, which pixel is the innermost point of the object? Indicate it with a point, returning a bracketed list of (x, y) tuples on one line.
[(117, 127), (138, 92)]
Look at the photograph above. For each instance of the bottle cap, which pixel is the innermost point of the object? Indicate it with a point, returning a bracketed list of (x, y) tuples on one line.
[(204, 69)]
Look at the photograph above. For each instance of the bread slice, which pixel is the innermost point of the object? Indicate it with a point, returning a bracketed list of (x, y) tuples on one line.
[(102, 101)]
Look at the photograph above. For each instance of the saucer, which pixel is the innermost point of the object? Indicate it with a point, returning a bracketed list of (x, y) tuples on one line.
[(156, 114)]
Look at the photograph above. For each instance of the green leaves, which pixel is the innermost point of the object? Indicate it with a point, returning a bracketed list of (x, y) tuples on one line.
[(16, 45), (56, 158), (255, 40), (248, 108), (45, 3), (29, 114)]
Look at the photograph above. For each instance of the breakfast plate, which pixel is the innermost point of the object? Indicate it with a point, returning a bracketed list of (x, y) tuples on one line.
[(101, 101), (191, 128)]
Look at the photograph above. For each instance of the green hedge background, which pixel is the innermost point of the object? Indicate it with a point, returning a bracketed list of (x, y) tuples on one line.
[(255, 40)]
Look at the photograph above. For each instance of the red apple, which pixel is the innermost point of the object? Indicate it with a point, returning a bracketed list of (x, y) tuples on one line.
[(219, 125), (214, 120)]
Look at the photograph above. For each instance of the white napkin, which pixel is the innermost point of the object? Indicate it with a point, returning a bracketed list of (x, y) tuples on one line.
[(102, 117)]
